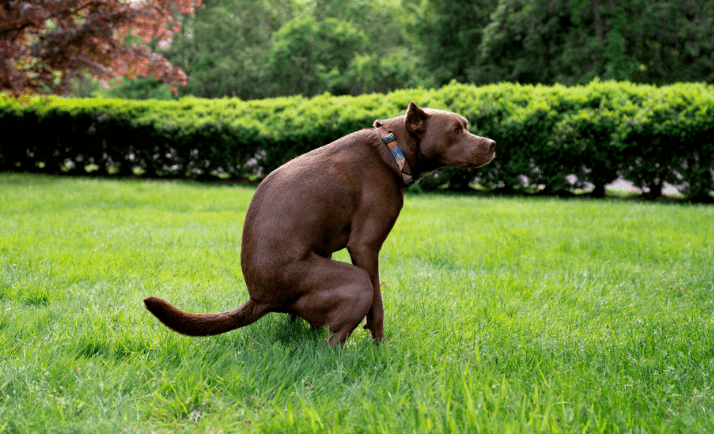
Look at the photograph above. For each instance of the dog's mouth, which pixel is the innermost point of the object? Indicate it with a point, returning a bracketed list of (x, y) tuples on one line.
[(482, 163)]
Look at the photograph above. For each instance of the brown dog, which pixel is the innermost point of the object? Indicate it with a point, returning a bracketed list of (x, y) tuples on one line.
[(345, 194)]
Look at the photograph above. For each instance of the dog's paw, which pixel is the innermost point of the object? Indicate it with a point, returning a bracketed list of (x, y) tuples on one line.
[(378, 337)]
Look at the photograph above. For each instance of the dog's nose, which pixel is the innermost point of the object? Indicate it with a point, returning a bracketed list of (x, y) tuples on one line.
[(491, 144)]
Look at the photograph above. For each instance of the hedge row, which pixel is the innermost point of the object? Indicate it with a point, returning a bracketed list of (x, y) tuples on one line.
[(549, 137)]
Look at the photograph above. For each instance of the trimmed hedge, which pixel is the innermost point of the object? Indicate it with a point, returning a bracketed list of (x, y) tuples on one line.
[(553, 138)]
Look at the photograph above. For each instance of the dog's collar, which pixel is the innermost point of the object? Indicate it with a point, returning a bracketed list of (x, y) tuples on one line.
[(391, 141)]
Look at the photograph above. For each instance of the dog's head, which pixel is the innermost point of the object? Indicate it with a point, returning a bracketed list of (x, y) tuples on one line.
[(444, 137)]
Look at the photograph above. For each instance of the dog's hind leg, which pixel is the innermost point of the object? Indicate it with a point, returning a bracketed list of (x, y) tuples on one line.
[(334, 294)]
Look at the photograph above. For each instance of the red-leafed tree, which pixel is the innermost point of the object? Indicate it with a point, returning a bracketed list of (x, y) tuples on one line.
[(44, 43)]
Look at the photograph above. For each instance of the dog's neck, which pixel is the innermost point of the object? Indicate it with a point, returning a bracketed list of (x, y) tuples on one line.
[(390, 140), (418, 163)]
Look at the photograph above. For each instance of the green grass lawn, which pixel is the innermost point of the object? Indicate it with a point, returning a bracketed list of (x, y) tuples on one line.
[(501, 315)]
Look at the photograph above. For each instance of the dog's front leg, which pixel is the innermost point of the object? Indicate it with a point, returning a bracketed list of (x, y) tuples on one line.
[(368, 259), (375, 316)]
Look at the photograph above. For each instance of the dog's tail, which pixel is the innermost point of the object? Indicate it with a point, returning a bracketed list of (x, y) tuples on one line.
[(205, 324)]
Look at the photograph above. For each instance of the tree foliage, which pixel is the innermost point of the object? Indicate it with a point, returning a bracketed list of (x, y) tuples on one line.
[(308, 56), (258, 49), (224, 46), (450, 32), (569, 41), (45, 43), (267, 48)]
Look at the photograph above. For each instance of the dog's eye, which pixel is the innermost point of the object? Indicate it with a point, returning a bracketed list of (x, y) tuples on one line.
[(456, 130)]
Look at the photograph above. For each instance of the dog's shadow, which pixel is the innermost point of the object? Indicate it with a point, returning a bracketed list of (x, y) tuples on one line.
[(277, 331), (295, 332)]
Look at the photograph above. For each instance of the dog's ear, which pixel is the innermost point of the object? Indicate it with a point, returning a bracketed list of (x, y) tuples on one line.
[(377, 123), (415, 120)]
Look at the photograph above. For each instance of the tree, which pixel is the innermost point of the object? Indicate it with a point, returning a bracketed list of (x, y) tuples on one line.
[(46, 43), (391, 59), (224, 47), (398, 68), (672, 41), (573, 41), (541, 41), (450, 33), (385, 22), (140, 88), (310, 57), (263, 48)]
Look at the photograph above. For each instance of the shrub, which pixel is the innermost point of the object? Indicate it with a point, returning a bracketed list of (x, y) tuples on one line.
[(552, 138)]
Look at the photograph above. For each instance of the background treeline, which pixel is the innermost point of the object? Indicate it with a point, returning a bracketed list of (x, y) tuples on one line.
[(266, 48), (550, 138)]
